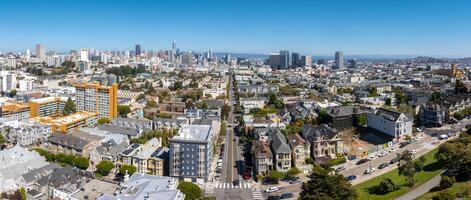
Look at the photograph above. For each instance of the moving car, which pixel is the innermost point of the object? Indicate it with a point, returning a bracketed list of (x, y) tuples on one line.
[(404, 144), (369, 171), (384, 165), (351, 177), (272, 189)]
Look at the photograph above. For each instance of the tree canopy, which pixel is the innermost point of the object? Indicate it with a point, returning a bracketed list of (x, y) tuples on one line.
[(131, 169), (104, 167), (326, 186), (191, 190), (69, 107)]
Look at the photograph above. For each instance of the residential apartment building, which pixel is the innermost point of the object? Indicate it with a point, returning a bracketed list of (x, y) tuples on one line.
[(13, 110), (69, 123), (145, 186), (191, 152), (25, 133), (280, 149), (391, 123), (262, 157), (140, 124), (326, 142), (47, 106), (93, 97), (433, 114), (142, 157), (301, 149), (344, 117)]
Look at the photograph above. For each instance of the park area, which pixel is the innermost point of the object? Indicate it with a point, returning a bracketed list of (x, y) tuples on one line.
[(431, 169)]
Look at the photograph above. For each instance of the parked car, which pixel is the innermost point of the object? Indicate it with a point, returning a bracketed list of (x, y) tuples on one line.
[(351, 177), (272, 189), (394, 148), (372, 156), (294, 181), (339, 169), (274, 197), (443, 137), (382, 153), (384, 165), (414, 151), (364, 160), (394, 160), (369, 171), (287, 195), (403, 144)]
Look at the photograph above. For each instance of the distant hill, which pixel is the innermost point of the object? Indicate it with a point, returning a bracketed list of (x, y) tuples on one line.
[(465, 60)]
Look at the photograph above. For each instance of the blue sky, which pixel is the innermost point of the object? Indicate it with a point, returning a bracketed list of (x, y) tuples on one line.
[(318, 27)]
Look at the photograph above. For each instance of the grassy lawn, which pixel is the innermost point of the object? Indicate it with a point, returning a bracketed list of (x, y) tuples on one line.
[(430, 170), (463, 189)]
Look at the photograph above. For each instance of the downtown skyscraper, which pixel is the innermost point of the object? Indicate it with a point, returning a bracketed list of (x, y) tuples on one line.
[(338, 60)]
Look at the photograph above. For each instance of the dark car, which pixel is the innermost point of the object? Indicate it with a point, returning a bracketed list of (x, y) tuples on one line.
[(235, 183), (351, 177), (273, 198), (394, 160), (287, 196), (404, 144), (384, 165), (364, 160)]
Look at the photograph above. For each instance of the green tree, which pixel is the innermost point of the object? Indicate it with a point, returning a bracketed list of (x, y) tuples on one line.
[(124, 110), (2, 140), (388, 101), (225, 111), (446, 182), (81, 162), (326, 186), (435, 97), (69, 107), (275, 176), (131, 169), (361, 120), (323, 116), (13, 93), (151, 103), (191, 190), (103, 120), (22, 192), (407, 167), (292, 173), (444, 195), (104, 167), (385, 186), (275, 101)]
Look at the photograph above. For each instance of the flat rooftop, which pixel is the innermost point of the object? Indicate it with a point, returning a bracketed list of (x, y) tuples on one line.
[(194, 132)]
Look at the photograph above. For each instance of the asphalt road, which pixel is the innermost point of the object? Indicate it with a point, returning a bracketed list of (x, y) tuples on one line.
[(417, 192)]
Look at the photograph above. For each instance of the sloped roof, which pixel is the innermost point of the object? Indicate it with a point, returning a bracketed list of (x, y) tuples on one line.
[(278, 141)]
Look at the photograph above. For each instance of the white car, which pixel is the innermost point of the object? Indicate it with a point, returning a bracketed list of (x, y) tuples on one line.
[(394, 148), (272, 189), (443, 137), (372, 156), (369, 171), (382, 153), (414, 151)]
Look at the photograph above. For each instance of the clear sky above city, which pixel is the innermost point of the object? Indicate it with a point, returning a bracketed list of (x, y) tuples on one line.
[(360, 27)]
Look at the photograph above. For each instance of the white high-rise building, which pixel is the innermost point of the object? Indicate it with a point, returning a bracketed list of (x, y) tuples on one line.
[(28, 53), (7, 81), (338, 60), (83, 54), (40, 51)]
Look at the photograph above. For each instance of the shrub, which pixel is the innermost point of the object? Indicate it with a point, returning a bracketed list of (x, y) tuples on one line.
[(444, 195), (446, 182), (386, 186)]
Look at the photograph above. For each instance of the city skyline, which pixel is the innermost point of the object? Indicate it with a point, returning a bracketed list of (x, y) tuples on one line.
[(312, 28)]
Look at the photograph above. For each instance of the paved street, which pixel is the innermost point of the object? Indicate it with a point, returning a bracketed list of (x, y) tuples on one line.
[(226, 187), (417, 192)]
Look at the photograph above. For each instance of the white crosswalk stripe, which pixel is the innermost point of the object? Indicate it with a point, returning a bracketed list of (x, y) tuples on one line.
[(257, 195)]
